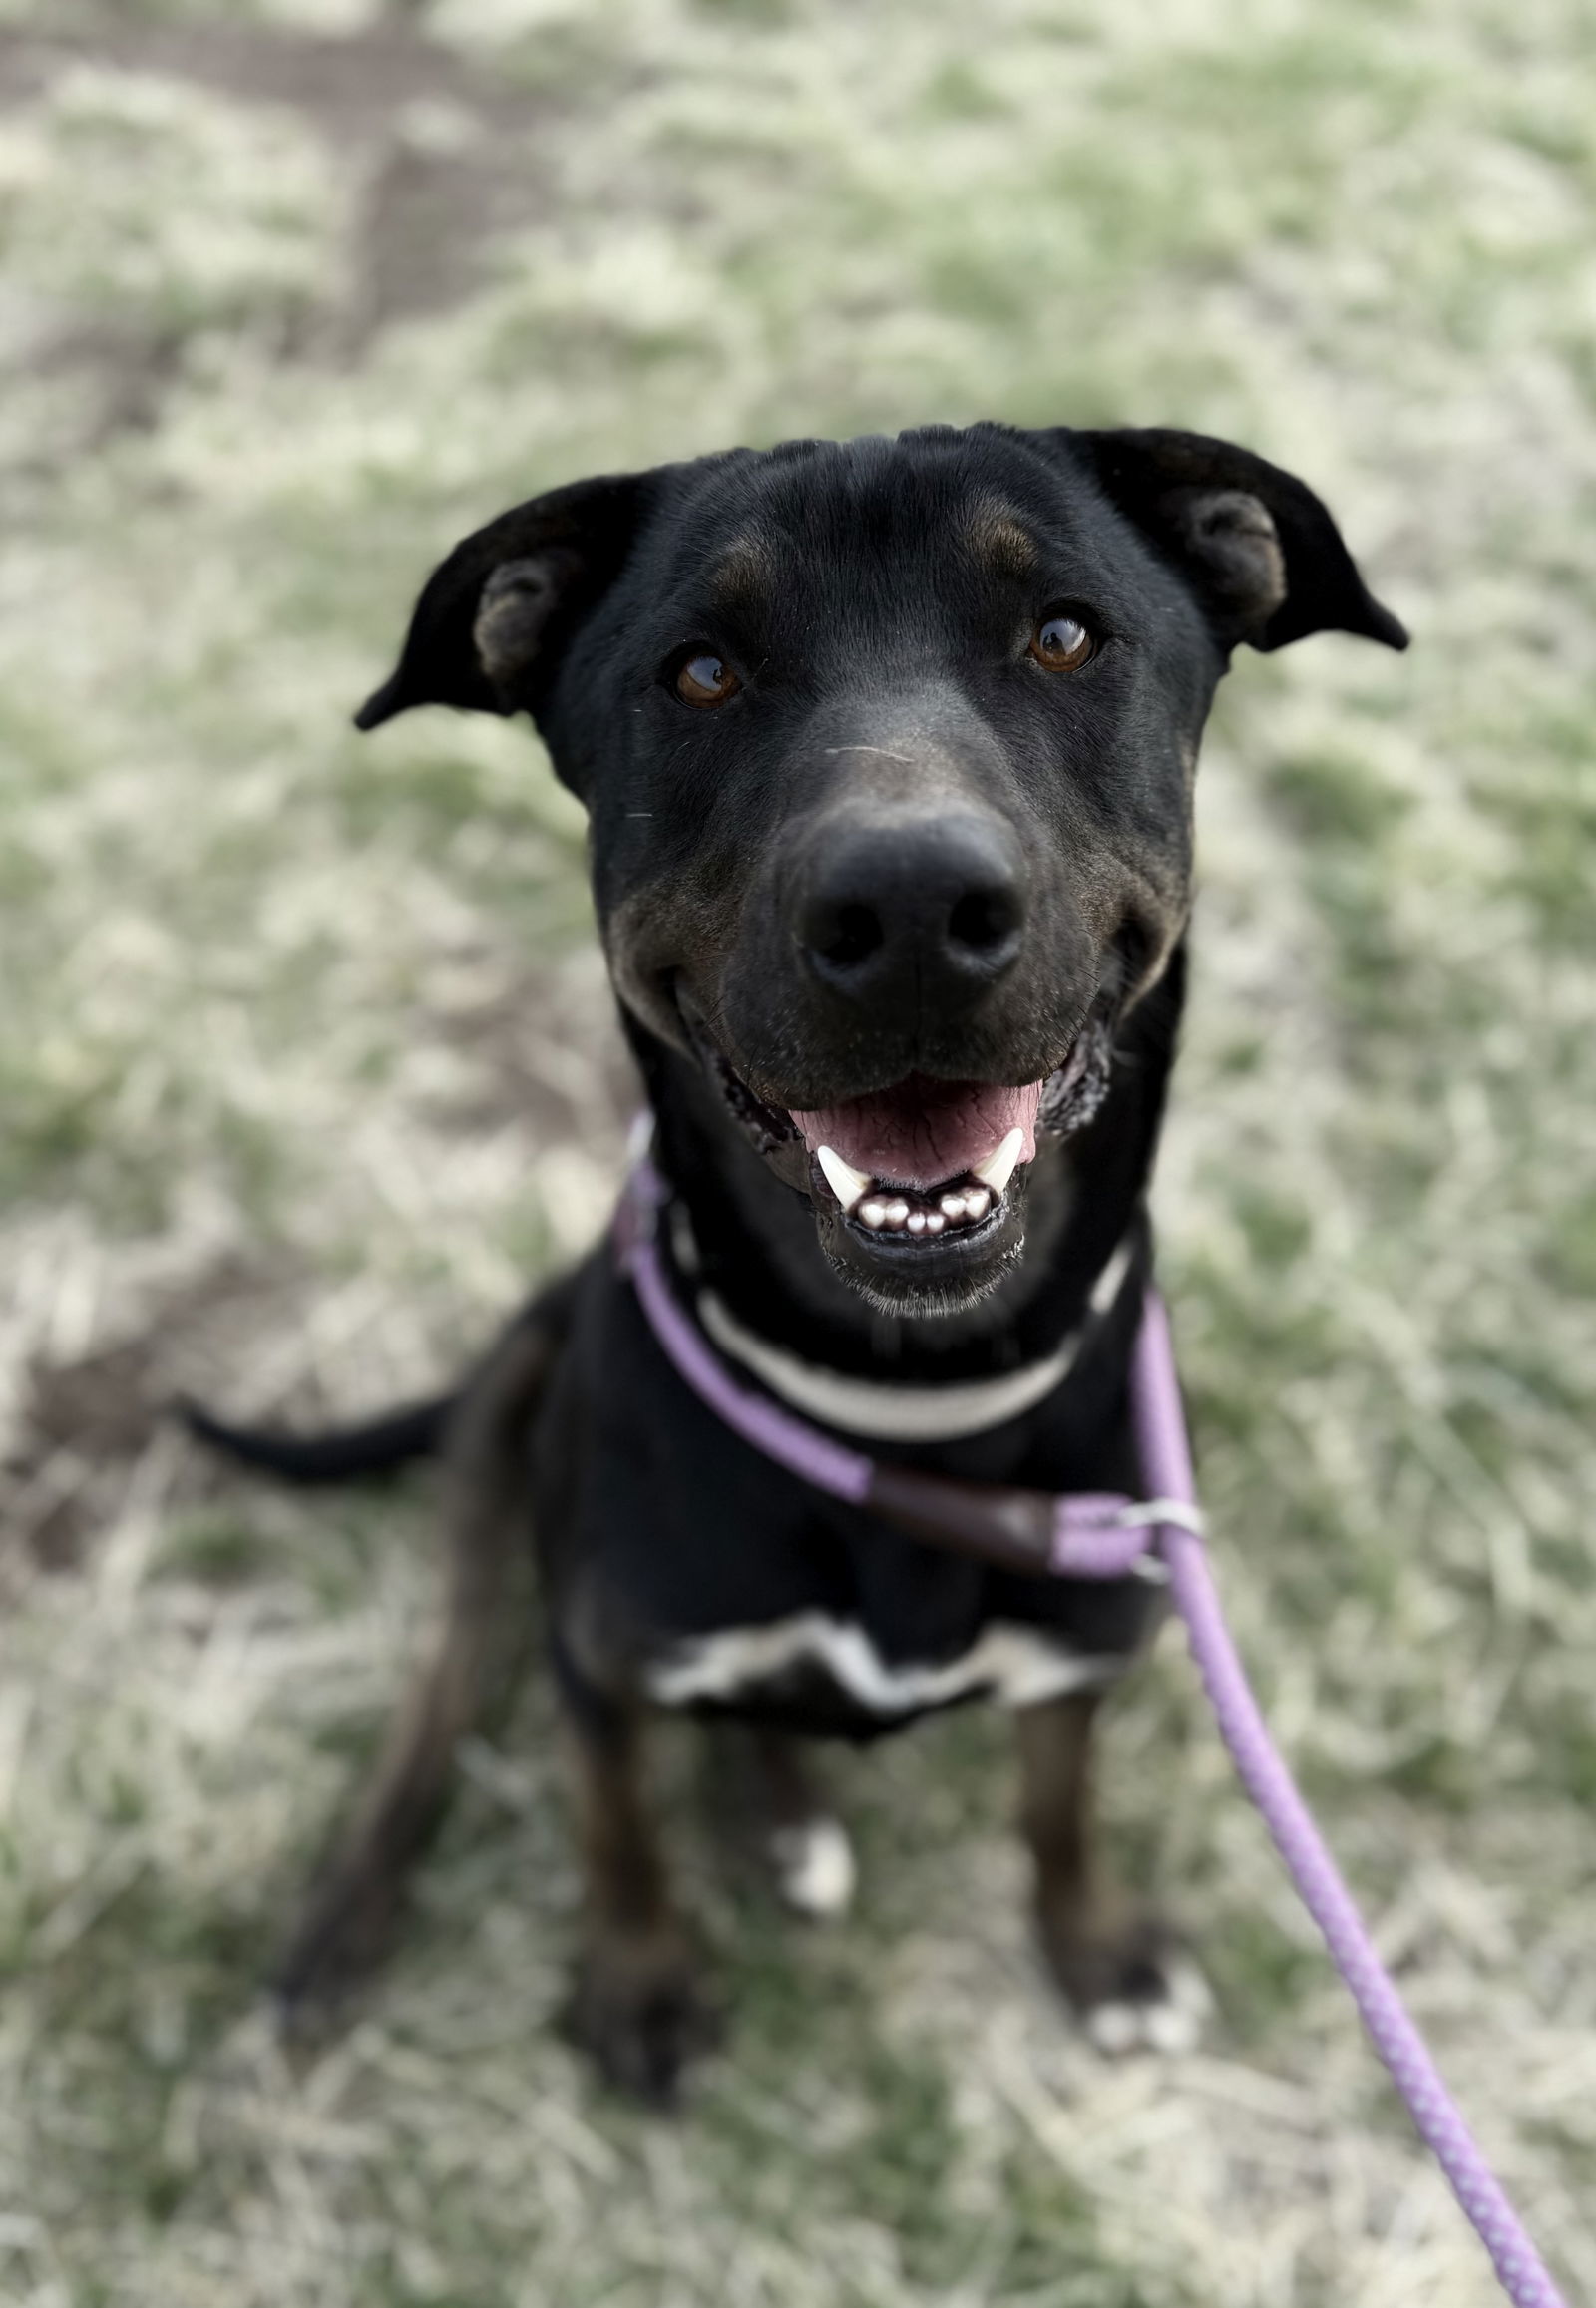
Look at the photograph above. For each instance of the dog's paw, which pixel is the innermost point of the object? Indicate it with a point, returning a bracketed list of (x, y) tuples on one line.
[(641, 2013), (813, 1861), (1166, 2016), (1132, 1990)]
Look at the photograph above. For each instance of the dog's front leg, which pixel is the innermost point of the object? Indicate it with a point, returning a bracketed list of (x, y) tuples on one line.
[(637, 2006), (1114, 1959)]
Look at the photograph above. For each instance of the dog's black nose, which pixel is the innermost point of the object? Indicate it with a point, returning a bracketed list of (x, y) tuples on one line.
[(926, 907)]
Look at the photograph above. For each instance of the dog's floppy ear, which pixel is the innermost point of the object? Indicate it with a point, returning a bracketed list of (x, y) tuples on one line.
[(491, 618), (1263, 553)]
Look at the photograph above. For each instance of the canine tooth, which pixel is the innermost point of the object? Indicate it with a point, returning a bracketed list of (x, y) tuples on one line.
[(897, 1213), (873, 1213), (978, 1202), (999, 1166), (935, 1222), (953, 1205), (847, 1183), (917, 1222)]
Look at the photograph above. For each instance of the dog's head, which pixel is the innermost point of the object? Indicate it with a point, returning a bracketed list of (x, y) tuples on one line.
[(888, 749)]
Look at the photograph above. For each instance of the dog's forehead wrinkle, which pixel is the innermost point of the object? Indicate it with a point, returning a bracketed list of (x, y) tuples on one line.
[(746, 568), (981, 484), (997, 533)]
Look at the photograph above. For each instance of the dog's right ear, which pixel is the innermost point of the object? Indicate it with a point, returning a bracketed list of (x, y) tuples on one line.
[(487, 629), (1254, 543)]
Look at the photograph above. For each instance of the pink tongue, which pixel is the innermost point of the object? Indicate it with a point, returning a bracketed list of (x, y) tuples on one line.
[(923, 1132)]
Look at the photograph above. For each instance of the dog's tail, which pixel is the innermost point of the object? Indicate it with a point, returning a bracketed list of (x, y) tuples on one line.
[(377, 1445), (339, 1454)]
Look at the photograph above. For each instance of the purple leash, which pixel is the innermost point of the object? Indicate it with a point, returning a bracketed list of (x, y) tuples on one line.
[(1166, 1463), (1103, 1536)]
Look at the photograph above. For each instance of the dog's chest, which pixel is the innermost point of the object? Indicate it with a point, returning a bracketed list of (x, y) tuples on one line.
[(748, 1591)]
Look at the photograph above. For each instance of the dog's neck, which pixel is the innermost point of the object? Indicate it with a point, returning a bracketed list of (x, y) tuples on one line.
[(755, 1246)]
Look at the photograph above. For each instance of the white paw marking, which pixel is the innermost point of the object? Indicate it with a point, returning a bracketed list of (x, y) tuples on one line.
[(1170, 2024), (815, 1869), (1114, 2029)]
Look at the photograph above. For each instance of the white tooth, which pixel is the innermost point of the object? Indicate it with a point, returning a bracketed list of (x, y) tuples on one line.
[(999, 1168), (935, 1222), (897, 1212), (978, 1202), (845, 1181), (873, 1213), (917, 1222), (953, 1205)]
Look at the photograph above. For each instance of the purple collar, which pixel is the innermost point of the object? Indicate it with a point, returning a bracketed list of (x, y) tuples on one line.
[(1079, 1535)]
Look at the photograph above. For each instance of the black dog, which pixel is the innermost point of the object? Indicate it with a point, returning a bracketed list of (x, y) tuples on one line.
[(888, 751)]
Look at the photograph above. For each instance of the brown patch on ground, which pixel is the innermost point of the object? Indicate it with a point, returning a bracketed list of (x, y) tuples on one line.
[(447, 154), (351, 85), (85, 1423)]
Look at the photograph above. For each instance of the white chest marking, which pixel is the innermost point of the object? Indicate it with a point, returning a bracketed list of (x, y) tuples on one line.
[(1018, 1665)]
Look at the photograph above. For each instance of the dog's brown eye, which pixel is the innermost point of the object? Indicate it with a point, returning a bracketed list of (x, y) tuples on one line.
[(707, 680), (1060, 643)]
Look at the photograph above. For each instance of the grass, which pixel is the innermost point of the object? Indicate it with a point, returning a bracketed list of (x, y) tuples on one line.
[(305, 1068)]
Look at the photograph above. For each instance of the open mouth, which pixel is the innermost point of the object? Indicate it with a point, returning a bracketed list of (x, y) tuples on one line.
[(925, 1157), (924, 1163)]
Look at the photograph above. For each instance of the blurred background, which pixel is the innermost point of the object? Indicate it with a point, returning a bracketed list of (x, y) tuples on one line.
[(306, 1069)]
